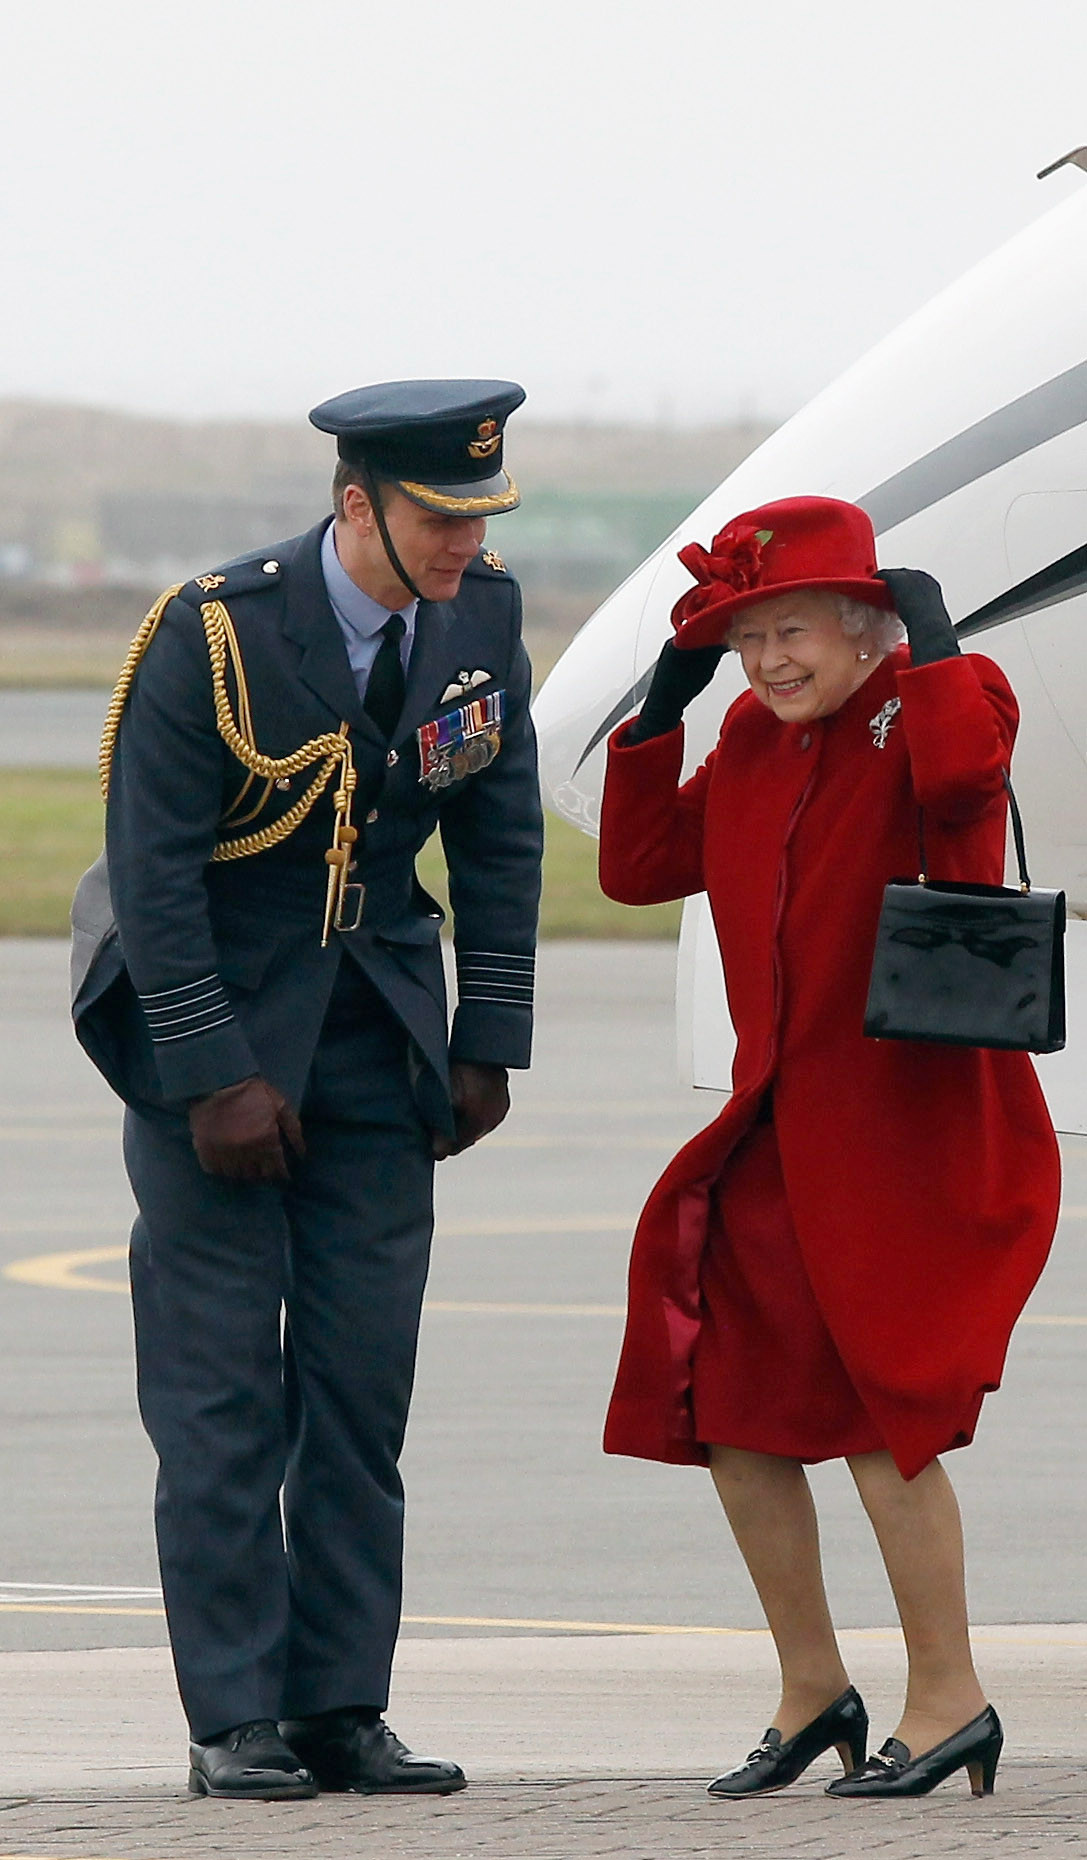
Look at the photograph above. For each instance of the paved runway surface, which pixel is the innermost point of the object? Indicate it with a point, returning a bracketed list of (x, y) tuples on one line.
[(529, 1553), (51, 729)]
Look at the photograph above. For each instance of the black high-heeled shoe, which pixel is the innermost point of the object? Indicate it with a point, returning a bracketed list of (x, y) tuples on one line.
[(893, 1771), (774, 1764)]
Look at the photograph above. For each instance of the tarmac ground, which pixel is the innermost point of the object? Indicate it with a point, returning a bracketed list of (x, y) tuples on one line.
[(578, 1631)]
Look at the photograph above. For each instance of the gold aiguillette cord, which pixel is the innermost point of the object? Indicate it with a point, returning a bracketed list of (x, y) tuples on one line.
[(339, 855)]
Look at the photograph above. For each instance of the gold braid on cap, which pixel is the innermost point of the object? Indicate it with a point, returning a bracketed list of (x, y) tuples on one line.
[(328, 750)]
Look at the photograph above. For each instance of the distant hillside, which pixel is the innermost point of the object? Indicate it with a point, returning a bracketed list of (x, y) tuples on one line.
[(140, 492), (99, 450), (100, 509)]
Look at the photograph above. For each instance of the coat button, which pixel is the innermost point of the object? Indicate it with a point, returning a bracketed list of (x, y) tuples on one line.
[(392, 759), (805, 740), (371, 817), (270, 568)]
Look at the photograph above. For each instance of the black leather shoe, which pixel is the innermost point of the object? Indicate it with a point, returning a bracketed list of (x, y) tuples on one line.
[(774, 1765), (251, 1763), (892, 1771), (361, 1758)]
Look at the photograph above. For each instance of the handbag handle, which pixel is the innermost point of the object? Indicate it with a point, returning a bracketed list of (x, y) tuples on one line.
[(1017, 835)]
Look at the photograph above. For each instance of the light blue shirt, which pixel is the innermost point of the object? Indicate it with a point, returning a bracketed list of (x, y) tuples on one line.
[(360, 617)]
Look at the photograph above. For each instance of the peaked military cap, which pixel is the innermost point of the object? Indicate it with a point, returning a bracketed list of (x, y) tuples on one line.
[(440, 442)]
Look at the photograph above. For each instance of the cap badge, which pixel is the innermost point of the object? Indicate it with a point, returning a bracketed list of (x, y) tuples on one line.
[(206, 583), (487, 441)]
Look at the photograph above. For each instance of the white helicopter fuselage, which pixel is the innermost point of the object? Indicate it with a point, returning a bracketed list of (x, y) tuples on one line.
[(964, 436)]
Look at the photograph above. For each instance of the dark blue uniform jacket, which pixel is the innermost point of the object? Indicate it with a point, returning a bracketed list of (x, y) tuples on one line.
[(222, 963)]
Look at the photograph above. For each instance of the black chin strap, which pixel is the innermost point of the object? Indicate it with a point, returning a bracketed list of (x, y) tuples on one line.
[(373, 491)]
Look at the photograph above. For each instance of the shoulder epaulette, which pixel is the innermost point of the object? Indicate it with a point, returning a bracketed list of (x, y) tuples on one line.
[(245, 577), (488, 564)]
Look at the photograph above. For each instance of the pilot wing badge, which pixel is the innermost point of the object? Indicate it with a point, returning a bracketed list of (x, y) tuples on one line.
[(461, 742), (464, 682)]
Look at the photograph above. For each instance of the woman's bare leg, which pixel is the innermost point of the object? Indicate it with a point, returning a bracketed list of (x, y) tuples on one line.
[(768, 1503), (919, 1531)]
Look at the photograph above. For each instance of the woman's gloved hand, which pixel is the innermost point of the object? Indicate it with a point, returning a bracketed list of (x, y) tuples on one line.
[(237, 1132), (679, 676), (919, 603)]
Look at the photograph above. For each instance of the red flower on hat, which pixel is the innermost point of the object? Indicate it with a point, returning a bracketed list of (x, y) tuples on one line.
[(735, 558), (732, 565)]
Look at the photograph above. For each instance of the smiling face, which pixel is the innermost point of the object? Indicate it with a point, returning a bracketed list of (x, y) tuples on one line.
[(797, 659), (435, 550)]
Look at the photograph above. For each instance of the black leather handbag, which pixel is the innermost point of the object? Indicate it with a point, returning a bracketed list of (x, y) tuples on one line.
[(970, 965)]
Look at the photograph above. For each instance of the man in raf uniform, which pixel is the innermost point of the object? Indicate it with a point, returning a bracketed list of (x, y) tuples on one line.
[(257, 971)]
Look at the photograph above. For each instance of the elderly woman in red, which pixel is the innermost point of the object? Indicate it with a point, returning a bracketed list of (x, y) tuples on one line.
[(833, 1268)]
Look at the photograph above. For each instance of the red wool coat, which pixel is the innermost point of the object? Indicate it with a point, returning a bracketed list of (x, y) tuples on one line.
[(923, 1181)]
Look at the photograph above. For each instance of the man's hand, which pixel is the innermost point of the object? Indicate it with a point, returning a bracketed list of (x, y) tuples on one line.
[(237, 1132), (481, 1099)]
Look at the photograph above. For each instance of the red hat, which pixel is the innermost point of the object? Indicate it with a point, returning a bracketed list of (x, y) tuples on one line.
[(799, 542)]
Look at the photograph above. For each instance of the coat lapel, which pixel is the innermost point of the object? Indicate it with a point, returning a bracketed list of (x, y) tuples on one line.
[(310, 622)]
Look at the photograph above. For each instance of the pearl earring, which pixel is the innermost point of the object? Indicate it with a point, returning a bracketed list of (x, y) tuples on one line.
[(862, 656)]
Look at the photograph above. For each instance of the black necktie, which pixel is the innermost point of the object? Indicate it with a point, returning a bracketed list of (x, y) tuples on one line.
[(384, 698)]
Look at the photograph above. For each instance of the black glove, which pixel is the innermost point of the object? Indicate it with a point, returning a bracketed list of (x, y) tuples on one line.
[(919, 604), (237, 1132), (679, 676)]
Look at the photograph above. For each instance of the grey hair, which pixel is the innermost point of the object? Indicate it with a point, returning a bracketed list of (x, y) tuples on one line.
[(885, 629)]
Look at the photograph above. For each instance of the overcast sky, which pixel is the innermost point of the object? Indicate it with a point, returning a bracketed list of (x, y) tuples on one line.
[(676, 210)]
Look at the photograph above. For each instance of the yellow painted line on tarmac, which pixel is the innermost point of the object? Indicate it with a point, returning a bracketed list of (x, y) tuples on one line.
[(536, 1623), (539, 1624), (74, 1608), (475, 1224), (68, 1272), (65, 1271)]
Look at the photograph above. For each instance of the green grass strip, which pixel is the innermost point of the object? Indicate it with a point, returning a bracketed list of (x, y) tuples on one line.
[(51, 830)]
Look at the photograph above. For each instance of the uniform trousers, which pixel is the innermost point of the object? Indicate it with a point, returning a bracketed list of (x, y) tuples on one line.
[(276, 1335)]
